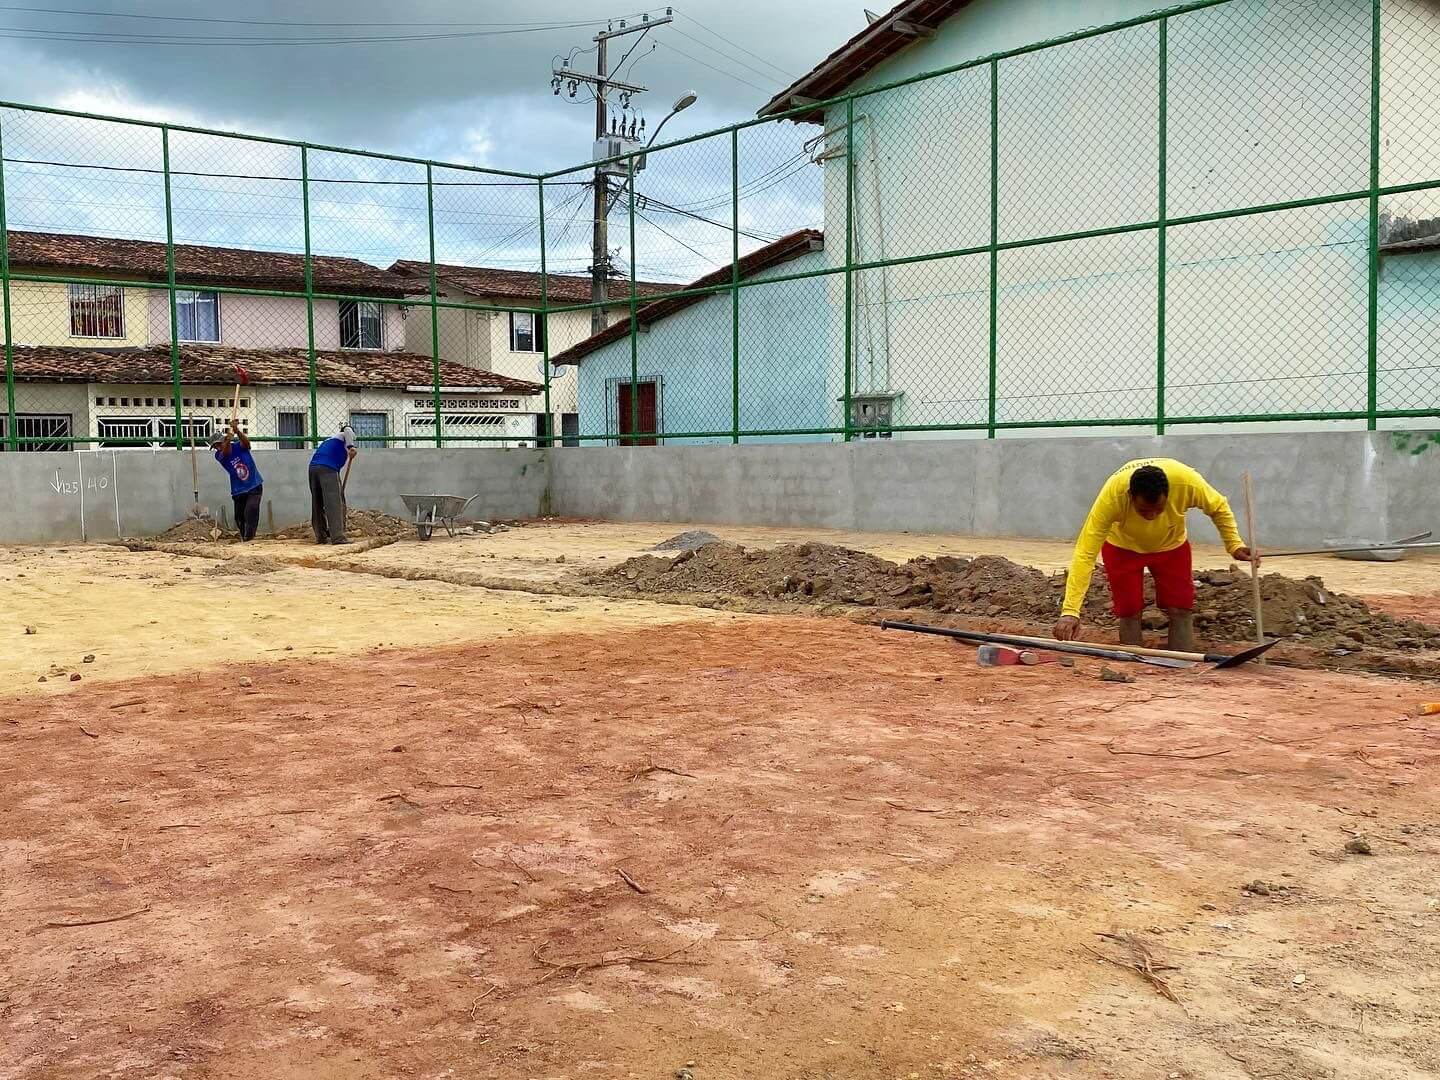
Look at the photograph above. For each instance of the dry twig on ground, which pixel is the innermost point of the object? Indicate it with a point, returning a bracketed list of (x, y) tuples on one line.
[(653, 768), (1167, 753), (95, 922), (631, 881), (1142, 962)]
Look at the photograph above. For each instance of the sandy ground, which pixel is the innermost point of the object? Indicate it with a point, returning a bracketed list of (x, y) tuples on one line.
[(395, 848), (852, 857)]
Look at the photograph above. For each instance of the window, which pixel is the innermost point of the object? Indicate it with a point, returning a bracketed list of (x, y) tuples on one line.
[(291, 429), (569, 429), (527, 332), (132, 431), (375, 425), (38, 426), (197, 314), (361, 323), (97, 311)]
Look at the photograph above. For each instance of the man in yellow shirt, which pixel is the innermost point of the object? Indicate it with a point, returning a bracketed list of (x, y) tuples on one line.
[(1138, 523)]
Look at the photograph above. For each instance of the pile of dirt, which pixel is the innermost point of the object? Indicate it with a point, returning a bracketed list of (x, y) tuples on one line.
[(691, 540), (243, 564), (194, 529), (359, 525), (994, 587)]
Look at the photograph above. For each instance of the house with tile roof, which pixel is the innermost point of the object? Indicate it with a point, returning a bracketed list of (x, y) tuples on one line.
[(502, 339), (92, 350)]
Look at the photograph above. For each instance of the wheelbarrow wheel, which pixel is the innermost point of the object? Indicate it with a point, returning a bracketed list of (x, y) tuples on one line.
[(426, 529)]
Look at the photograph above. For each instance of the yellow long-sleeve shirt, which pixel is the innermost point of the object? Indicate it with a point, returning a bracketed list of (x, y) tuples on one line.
[(1113, 518)]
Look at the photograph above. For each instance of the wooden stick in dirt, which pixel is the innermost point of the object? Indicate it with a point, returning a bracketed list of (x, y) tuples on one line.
[(194, 474), (1254, 562)]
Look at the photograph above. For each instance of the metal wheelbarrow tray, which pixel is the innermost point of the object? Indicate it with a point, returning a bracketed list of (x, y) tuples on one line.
[(427, 511)]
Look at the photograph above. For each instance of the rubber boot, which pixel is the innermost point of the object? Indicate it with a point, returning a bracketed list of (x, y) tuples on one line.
[(1182, 630), (1131, 632)]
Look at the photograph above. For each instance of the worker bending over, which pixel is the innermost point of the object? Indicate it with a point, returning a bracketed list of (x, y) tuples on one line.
[(327, 496), (232, 451), (1138, 523)]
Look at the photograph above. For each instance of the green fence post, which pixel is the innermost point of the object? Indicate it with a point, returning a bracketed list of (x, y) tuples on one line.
[(1373, 314), (994, 241), (10, 437), (309, 298), (734, 285), (634, 323), (170, 280), (1160, 232), (434, 309), (849, 260), (544, 324)]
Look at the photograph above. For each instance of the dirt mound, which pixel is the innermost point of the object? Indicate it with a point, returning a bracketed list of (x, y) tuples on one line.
[(995, 587), (205, 530), (359, 525), (243, 565), (691, 540)]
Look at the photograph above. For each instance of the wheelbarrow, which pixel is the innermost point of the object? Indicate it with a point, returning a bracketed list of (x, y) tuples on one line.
[(427, 511)]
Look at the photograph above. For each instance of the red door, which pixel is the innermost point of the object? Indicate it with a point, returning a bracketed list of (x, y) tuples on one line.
[(649, 420)]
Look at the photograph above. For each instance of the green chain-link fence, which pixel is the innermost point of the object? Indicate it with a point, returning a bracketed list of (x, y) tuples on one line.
[(1223, 213)]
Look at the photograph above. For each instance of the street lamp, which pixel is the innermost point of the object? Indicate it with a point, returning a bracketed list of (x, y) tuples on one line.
[(683, 102)]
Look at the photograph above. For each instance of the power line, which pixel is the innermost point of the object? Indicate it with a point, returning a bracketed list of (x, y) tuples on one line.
[(293, 179), (736, 44), (720, 71), (727, 56), (672, 236), (94, 37), (257, 22), (664, 207)]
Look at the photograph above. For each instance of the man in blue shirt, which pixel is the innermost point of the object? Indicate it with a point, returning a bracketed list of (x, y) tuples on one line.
[(327, 502), (247, 488)]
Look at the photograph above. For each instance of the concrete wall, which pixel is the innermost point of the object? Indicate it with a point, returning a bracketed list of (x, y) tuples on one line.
[(1310, 486), (101, 495)]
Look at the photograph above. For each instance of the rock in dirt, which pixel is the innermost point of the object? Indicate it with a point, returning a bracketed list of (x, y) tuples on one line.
[(75, 676), (88, 658), (245, 680), (29, 629), (690, 540), (1111, 675), (1358, 846)]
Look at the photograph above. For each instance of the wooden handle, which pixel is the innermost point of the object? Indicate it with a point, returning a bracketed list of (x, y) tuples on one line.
[(1254, 560), (235, 404), (1134, 650)]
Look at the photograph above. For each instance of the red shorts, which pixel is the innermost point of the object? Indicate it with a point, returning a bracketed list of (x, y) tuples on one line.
[(1172, 570)]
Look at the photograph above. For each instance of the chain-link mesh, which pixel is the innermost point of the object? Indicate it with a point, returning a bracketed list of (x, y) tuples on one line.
[(1225, 213)]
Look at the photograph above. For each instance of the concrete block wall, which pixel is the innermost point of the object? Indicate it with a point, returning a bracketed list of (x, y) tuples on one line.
[(1310, 486)]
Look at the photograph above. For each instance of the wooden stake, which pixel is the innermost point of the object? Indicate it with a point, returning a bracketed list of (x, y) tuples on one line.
[(1254, 562)]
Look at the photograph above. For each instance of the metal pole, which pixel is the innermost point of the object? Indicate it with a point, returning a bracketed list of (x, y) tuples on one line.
[(635, 329), (544, 327), (309, 298), (600, 235), (1160, 232), (170, 285), (734, 286), (11, 442), (434, 311), (845, 420), (1373, 313), (994, 241)]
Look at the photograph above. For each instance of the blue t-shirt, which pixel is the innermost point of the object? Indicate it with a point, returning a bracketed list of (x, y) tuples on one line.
[(244, 476), (330, 454)]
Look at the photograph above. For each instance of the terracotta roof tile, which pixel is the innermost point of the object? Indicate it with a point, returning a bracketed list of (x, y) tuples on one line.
[(860, 55), (206, 365), (522, 284), (781, 251), (196, 264)]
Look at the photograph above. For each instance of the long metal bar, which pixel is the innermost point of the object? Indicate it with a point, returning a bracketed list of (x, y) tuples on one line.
[(10, 434), (543, 319), (994, 379), (434, 311), (193, 130), (1349, 550), (1372, 336), (170, 288), (735, 285), (635, 332), (309, 300), (1161, 231), (1039, 241), (847, 421)]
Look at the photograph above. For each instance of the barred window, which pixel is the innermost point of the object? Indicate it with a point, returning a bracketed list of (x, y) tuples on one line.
[(361, 325), (97, 311)]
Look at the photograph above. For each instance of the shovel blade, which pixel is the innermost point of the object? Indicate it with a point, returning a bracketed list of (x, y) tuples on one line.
[(1246, 655)]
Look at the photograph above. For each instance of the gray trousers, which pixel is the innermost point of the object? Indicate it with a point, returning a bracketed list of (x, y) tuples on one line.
[(327, 506)]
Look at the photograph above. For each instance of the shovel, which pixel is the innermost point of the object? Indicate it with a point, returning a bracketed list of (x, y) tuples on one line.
[(1178, 660)]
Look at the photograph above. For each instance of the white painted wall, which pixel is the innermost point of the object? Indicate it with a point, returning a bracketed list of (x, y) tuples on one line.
[(268, 322), (1267, 102)]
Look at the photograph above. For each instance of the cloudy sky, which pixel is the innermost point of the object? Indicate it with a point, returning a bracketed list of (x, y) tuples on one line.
[(453, 80)]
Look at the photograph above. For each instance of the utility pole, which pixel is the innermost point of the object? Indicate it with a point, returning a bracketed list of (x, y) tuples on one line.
[(606, 145)]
